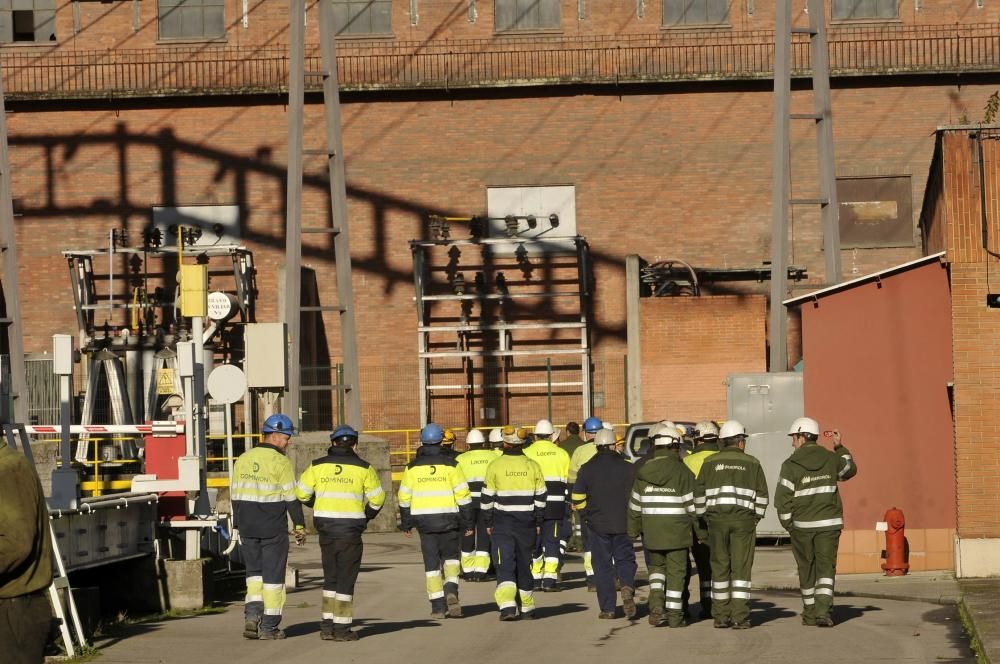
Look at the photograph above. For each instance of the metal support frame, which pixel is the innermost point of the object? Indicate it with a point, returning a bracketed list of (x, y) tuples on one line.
[(503, 348), (781, 200), (8, 250), (338, 206)]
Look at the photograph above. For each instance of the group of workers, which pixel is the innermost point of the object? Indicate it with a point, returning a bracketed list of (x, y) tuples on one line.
[(510, 503)]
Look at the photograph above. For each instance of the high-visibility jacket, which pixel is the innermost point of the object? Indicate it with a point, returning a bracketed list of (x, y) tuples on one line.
[(734, 486), (514, 493), (554, 462), (343, 490), (474, 464), (696, 459), (263, 493), (581, 455), (433, 494), (806, 496), (662, 506)]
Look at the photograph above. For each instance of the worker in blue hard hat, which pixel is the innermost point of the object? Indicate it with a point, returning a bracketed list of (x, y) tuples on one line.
[(581, 455), (263, 497), (434, 498), (345, 494)]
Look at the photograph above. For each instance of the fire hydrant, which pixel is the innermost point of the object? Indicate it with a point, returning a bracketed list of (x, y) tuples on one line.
[(895, 544)]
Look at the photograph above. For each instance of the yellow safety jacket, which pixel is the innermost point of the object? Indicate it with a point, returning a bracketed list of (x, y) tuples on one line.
[(696, 458), (343, 490), (263, 493), (514, 494), (554, 462), (473, 464), (581, 455), (433, 494)]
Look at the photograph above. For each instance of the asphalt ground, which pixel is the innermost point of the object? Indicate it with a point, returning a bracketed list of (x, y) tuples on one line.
[(392, 616)]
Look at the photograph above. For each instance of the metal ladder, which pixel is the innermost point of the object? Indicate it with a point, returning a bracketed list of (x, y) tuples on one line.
[(60, 581), (781, 200), (334, 153)]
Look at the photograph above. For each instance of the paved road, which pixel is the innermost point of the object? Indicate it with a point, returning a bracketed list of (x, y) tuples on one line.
[(395, 627)]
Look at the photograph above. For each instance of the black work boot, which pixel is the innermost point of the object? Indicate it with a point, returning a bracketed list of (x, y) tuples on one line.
[(439, 609), (628, 601), (326, 630), (345, 635), (454, 607), (251, 628)]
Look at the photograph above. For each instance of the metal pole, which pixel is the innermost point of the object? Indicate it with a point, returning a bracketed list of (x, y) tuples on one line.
[(293, 222), (824, 141), (778, 329), (15, 334), (625, 391), (338, 203), (340, 392), (229, 440), (548, 383)]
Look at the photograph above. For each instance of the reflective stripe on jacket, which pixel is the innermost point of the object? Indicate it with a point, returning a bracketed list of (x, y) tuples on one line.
[(514, 493), (662, 505), (734, 486), (433, 494), (554, 462), (807, 497), (474, 464), (343, 490), (263, 493)]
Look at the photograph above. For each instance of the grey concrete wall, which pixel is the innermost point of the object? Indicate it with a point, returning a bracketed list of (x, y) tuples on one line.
[(45, 461)]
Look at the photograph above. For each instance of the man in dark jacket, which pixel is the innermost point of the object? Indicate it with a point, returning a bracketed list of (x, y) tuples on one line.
[(25, 561), (662, 510), (601, 492), (809, 508)]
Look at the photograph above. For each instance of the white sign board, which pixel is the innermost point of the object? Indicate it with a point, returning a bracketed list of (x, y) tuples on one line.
[(219, 224), (220, 306), (539, 202)]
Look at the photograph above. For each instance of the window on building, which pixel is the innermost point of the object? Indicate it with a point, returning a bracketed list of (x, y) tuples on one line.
[(695, 12), (526, 14), (191, 19), (875, 212), (363, 17), (845, 10), (27, 21)]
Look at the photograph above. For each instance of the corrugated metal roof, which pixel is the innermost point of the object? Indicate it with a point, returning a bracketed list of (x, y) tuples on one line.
[(860, 280)]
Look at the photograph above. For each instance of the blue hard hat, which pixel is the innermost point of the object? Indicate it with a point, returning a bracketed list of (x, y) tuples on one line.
[(592, 425), (279, 423), (432, 434), (343, 431)]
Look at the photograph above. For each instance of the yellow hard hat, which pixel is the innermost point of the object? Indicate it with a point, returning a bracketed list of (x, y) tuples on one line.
[(449, 437)]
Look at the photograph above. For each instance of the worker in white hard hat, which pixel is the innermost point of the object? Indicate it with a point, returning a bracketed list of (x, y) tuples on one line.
[(496, 440), (735, 497), (476, 546), (706, 445), (809, 507), (551, 547)]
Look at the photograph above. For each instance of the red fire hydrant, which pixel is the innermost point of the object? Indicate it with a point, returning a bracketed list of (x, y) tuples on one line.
[(895, 544)]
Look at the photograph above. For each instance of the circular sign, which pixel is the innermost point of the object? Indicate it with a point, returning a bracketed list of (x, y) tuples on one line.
[(220, 306), (227, 383)]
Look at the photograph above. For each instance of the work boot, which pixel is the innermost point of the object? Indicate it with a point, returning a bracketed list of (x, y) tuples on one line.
[(680, 622), (326, 630), (250, 628), (808, 622), (824, 621), (606, 615), (507, 615), (550, 586), (655, 618), (721, 623), (439, 609), (345, 635), (275, 634), (591, 585), (454, 608), (628, 601), (528, 615), (743, 624)]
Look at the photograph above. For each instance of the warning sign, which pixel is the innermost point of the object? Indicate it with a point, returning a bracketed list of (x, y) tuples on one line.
[(165, 381)]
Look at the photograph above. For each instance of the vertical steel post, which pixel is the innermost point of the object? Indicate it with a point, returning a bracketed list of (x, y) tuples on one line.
[(338, 202), (778, 327), (824, 140), (293, 221), (548, 383), (8, 249)]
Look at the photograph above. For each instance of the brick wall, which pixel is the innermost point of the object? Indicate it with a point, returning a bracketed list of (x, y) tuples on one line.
[(976, 329), (690, 345)]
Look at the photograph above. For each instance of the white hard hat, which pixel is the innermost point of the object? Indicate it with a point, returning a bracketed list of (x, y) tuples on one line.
[(608, 426), (475, 437), (604, 437), (664, 433), (496, 435), (706, 429), (804, 425), (544, 428), (731, 428)]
